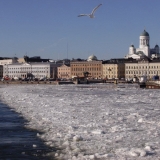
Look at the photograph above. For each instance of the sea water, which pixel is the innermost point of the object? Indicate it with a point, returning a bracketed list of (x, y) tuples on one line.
[(17, 142)]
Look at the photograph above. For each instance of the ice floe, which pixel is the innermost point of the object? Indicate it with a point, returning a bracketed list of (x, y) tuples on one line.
[(91, 121)]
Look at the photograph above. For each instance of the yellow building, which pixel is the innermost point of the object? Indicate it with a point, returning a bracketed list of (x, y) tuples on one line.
[(64, 71), (113, 69), (21, 60), (92, 66)]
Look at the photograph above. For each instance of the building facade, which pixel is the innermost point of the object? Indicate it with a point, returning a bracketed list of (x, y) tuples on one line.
[(8, 61), (92, 66), (21, 60), (113, 69), (142, 67), (31, 70), (64, 71)]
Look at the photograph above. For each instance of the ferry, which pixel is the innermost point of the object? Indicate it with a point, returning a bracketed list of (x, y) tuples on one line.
[(149, 84)]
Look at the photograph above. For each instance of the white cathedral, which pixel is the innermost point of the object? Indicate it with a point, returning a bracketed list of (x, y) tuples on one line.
[(144, 49)]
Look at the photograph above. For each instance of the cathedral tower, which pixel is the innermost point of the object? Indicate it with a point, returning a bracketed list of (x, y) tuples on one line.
[(144, 43)]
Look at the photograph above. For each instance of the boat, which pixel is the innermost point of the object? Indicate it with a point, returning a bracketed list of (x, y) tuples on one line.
[(149, 84), (142, 81), (153, 84)]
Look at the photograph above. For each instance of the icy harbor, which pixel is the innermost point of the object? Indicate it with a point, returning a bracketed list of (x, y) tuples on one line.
[(91, 122)]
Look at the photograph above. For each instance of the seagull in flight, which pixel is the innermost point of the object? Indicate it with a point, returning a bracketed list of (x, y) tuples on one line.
[(92, 13)]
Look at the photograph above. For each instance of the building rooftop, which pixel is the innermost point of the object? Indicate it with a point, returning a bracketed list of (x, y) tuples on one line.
[(144, 33)]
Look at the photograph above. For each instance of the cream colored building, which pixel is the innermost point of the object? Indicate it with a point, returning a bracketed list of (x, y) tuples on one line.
[(113, 69), (8, 61), (142, 67), (31, 70), (92, 66), (21, 60), (64, 71)]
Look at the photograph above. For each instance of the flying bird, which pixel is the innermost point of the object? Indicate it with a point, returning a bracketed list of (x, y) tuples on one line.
[(92, 13)]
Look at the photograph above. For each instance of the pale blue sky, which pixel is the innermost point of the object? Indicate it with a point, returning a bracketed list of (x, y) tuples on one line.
[(45, 27)]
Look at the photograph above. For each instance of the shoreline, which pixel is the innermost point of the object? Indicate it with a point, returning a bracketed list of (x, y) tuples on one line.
[(63, 82)]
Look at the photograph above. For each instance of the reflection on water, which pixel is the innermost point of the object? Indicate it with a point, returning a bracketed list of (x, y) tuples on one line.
[(17, 142)]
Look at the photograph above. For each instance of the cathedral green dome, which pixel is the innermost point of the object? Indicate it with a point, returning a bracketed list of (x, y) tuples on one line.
[(156, 46), (144, 33)]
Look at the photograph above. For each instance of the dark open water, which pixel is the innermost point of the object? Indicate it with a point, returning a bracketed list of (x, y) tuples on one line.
[(16, 142)]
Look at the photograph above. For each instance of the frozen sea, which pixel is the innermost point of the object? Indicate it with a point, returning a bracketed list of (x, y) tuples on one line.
[(91, 122)]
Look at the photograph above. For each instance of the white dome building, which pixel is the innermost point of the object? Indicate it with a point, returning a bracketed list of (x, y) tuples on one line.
[(144, 49), (92, 58)]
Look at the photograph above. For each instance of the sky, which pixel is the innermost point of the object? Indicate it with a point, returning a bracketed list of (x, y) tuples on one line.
[(52, 28)]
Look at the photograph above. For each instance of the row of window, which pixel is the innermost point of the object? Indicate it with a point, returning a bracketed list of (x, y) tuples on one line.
[(111, 76), (141, 67), (28, 68), (120, 72), (5, 62), (63, 73), (144, 41), (84, 69), (142, 72), (38, 76), (78, 65), (64, 69), (110, 70), (81, 74), (32, 72)]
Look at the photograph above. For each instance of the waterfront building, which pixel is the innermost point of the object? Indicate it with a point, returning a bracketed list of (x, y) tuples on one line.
[(31, 70), (142, 67), (144, 49), (4, 61), (114, 69), (92, 65), (64, 71), (21, 60)]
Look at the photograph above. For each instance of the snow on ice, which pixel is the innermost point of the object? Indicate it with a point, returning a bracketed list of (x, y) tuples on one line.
[(100, 121)]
